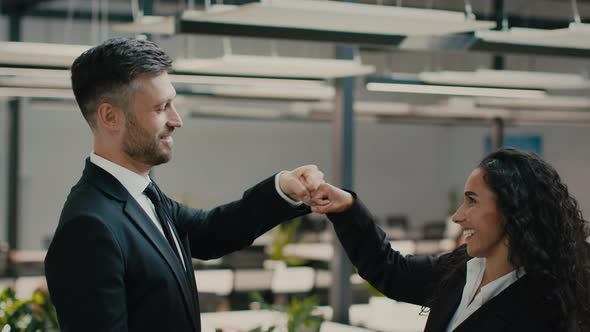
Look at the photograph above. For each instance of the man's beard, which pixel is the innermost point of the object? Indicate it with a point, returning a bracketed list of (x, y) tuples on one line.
[(141, 146)]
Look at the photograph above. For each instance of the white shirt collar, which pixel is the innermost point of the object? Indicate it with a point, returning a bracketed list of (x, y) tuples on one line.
[(475, 269), (476, 266), (133, 182)]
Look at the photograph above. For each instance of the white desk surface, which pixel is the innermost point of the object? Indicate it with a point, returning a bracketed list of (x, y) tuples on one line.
[(249, 319), (314, 251), (28, 256), (324, 251)]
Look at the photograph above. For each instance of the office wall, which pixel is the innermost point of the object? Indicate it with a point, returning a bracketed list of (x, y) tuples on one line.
[(216, 160), (54, 145), (400, 168), (564, 146), (392, 162)]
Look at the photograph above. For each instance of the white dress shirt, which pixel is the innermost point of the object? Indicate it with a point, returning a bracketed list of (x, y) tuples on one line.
[(475, 269), (136, 184)]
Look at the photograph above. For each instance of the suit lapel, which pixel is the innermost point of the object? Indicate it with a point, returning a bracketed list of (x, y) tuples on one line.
[(445, 307), (110, 186), (500, 311), (190, 274), (185, 251), (144, 223)]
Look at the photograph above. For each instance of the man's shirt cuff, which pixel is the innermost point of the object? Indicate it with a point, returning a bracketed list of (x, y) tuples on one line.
[(282, 194)]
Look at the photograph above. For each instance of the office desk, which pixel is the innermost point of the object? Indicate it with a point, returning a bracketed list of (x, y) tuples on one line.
[(248, 319)]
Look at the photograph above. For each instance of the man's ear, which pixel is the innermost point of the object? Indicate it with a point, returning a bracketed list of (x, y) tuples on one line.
[(109, 117)]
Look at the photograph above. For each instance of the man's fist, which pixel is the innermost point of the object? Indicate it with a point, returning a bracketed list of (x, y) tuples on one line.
[(300, 183)]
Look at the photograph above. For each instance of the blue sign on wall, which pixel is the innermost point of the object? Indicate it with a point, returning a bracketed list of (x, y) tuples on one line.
[(530, 143)]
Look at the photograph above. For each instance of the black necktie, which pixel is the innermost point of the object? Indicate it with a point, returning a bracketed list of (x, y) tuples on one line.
[(153, 195)]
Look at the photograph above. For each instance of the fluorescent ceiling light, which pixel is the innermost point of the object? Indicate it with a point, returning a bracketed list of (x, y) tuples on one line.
[(550, 102), (251, 81), (274, 66), (40, 54), (454, 90), (353, 18), (36, 72), (34, 78), (319, 93), (466, 108), (160, 25), (216, 85), (381, 108), (239, 112), (577, 35), (35, 82), (36, 93), (444, 111), (550, 117), (53, 105), (459, 107), (368, 108), (253, 87), (507, 78)]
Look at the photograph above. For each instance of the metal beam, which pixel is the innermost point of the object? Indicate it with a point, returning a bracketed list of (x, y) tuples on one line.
[(78, 15), (247, 30), (500, 15), (498, 64), (148, 7), (12, 206), (343, 130), (498, 133), (523, 21)]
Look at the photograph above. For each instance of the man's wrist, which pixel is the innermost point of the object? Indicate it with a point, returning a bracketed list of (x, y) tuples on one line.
[(286, 197)]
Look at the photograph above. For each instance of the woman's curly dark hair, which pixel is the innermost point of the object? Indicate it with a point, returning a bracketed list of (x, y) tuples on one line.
[(546, 231)]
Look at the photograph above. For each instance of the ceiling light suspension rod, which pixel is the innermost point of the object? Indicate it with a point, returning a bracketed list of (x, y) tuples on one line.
[(577, 18), (500, 13), (469, 15)]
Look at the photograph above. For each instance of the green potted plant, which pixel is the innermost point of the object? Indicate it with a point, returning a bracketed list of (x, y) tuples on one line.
[(300, 313), (36, 314), (282, 235)]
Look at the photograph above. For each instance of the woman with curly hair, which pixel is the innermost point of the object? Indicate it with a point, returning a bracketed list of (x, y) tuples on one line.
[(525, 265)]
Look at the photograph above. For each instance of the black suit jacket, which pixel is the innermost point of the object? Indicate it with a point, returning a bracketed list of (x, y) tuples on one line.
[(421, 280), (109, 268)]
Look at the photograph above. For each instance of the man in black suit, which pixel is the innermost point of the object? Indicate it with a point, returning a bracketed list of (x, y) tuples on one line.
[(120, 259)]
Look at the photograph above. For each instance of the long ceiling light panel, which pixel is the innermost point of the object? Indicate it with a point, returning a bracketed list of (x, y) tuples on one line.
[(327, 21), (274, 66), (39, 54), (573, 40), (383, 85), (13, 79), (507, 78), (160, 25), (577, 35), (36, 93), (549, 103)]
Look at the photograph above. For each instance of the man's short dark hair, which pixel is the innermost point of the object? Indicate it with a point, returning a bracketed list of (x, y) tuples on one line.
[(105, 72)]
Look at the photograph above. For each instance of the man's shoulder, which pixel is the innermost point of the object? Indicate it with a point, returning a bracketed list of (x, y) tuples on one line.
[(87, 199)]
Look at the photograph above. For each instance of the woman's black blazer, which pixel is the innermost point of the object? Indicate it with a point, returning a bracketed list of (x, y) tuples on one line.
[(427, 281)]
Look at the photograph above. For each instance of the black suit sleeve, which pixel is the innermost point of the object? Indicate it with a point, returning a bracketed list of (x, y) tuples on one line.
[(85, 274), (404, 278), (235, 225)]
